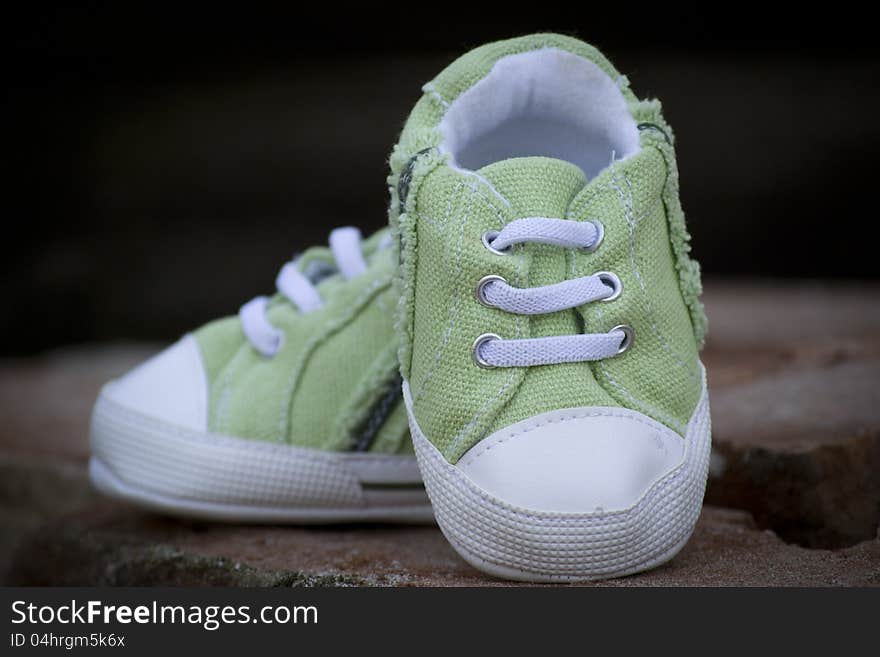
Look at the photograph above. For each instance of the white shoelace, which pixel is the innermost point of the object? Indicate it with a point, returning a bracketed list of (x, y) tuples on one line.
[(490, 350), (300, 289)]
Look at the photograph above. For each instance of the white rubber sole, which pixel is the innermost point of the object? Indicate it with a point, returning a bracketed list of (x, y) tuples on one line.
[(512, 542), (165, 468)]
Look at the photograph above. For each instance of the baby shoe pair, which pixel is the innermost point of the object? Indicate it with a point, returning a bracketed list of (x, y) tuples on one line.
[(531, 319)]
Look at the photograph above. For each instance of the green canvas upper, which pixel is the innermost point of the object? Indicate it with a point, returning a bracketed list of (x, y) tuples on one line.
[(336, 365), (439, 213)]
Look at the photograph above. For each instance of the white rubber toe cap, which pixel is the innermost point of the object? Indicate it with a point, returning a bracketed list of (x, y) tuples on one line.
[(170, 386), (577, 460)]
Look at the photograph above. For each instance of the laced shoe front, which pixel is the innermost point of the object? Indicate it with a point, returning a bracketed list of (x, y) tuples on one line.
[(549, 315), (289, 412)]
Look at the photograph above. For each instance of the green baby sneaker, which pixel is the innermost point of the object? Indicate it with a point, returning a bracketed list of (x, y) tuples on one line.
[(289, 412), (549, 315)]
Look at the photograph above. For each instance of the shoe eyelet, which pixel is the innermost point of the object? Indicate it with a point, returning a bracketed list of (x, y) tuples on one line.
[(613, 281), (479, 290), (487, 238), (475, 350), (629, 336), (600, 228)]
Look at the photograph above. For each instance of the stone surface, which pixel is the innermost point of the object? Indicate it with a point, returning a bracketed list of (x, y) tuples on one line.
[(46, 401), (794, 374), (115, 546), (793, 378)]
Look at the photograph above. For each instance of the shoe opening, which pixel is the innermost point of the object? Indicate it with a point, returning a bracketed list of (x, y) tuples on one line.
[(547, 102)]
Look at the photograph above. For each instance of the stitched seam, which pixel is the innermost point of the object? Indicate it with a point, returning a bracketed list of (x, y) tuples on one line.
[(453, 197), (405, 275), (581, 206), (311, 345), (629, 216), (455, 306), (463, 434), (356, 407), (490, 187), (651, 209), (455, 301), (692, 371), (631, 223), (650, 408)]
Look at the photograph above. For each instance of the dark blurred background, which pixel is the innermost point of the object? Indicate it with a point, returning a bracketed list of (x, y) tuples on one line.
[(161, 165)]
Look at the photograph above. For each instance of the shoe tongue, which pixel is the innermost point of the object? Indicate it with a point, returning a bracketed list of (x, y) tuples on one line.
[(540, 187), (536, 186)]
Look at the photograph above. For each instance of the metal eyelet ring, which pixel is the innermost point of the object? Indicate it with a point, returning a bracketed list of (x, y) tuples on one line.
[(611, 280), (475, 350), (600, 229), (629, 336), (487, 238), (479, 290)]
